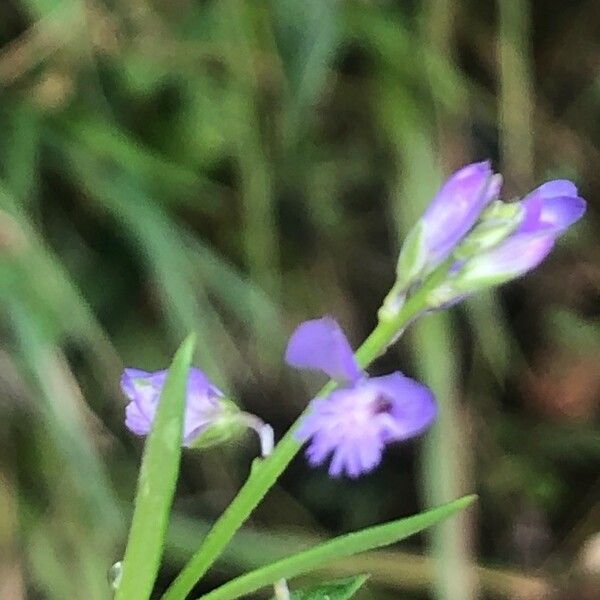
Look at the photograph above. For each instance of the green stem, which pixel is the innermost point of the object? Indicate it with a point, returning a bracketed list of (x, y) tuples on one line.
[(266, 472)]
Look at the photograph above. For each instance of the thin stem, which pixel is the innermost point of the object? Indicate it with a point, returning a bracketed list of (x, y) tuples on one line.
[(266, 472), (262, 429), (267, 443)]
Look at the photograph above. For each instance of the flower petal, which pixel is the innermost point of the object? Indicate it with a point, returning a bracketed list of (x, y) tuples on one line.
[(560, 212), (356, 459), (136, 421), (557, 187), (532, 212), (320, 344), (407, 406), (144, 389), (128, 381), (546, 212), (202, 406), (353, 423), (456, 208), (343, 425), (514, 257)]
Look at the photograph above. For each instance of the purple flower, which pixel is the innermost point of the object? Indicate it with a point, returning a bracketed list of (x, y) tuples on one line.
[(203, 405), (548, 212), (354, 422), (455, 209)]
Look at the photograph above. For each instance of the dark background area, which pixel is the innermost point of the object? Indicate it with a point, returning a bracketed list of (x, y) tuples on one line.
[(236, 167)]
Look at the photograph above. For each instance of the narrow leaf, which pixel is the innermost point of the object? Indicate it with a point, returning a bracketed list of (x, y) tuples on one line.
[(340, 589), (340, 547), (156, 483)]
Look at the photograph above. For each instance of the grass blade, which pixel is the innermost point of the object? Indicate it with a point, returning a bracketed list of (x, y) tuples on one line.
[(156, 484), (343, 546)]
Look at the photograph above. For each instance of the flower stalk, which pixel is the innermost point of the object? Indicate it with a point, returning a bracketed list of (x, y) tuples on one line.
[(465, 242), (266, 472)]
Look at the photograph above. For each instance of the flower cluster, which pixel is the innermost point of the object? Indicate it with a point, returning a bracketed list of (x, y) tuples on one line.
[(469, 237), (480, 240)]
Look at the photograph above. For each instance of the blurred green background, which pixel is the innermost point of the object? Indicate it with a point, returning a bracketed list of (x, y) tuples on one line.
[(234, 167)]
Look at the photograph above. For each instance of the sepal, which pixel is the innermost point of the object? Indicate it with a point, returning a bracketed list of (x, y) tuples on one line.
[(497, 223), (225, 426), (412, 259)]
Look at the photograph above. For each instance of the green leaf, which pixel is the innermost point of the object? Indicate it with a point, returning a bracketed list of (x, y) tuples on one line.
[(340, 547), (340, 589), (156, 483)]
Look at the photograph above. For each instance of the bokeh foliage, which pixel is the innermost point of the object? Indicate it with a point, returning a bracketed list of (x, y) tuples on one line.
[(232, 167)]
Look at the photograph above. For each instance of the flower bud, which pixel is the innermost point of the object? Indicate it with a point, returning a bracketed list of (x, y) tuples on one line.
[(514, 257), (210, 417), (451, 214)]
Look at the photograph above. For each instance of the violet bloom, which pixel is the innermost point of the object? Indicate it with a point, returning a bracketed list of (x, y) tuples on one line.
[(548, 212), (456, 208), (354, 422), (203, 405)]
